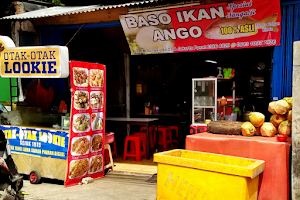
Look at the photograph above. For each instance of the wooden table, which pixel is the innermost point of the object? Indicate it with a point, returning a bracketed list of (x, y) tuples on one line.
[(177, 117), (274, 181), (147, 122)]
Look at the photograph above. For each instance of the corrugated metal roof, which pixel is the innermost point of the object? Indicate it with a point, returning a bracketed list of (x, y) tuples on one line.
[(65, 10)]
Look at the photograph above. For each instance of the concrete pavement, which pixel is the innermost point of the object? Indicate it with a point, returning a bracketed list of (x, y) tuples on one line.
[(114, 186)]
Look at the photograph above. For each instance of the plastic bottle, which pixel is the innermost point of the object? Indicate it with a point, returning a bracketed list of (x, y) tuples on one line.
[(154, 109), (157, 109), (220, 75), (223, 100)]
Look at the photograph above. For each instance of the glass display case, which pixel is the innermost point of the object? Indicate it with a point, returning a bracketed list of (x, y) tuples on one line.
[(204, 105)]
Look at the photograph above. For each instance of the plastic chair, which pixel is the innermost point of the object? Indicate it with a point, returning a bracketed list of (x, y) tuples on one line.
[(137, 152), (165, 136), (175, 128), (152, 134)]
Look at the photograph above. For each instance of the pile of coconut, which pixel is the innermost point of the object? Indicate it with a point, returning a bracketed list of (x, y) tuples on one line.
[(280, 121)]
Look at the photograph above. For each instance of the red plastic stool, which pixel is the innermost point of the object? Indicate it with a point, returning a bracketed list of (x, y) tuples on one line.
[(165, 136), (144, 138), (138, 153), (175, 128), (152, 134)]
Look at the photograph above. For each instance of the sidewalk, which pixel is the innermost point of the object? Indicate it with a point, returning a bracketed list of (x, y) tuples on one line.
[(115, 185), (132, 166)]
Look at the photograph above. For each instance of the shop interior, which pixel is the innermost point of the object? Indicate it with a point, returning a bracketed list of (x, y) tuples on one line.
[(166, 78)]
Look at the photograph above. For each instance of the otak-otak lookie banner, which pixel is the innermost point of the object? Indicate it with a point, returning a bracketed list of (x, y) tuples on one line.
[(239, 24), (38, 142)]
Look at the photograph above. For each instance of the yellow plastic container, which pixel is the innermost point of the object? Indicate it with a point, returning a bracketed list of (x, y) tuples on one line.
[(189, 175)]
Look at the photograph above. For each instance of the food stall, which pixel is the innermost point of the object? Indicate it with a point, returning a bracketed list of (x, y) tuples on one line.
[(173, 38), (54, 152), (218, 27), (258, 138)]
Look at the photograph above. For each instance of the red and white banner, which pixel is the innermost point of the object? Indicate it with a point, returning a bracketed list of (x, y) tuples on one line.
[(87, 129), (239, 24)]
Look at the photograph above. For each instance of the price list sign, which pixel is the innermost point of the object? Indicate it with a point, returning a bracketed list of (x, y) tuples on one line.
[(87, 129)]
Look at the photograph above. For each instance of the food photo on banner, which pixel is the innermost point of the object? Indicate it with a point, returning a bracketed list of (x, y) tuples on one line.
[(53, 144), (238, 24), (86, 149)]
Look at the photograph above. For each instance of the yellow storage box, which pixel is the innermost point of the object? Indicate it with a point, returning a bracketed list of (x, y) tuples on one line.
[(189, 175)]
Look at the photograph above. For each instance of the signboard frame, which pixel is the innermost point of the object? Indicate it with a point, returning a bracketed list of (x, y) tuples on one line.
[(33, 62)]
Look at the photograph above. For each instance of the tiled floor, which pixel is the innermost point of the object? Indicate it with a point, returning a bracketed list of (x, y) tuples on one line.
[(131, 166)]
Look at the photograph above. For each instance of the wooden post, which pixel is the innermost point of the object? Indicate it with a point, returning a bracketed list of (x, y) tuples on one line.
[(296, 123), (127, 80)]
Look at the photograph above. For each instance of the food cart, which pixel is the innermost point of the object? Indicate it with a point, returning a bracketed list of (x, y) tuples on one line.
[(68, 155)]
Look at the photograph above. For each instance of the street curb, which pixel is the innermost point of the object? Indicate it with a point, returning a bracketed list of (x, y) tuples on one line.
[(125, 173)]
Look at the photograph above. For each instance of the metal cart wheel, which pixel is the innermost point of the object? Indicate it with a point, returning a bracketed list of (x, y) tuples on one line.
[(35, 177)]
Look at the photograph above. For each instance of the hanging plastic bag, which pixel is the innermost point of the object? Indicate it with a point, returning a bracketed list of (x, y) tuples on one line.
[(62, 107), (49, 98), (31, 96), (40, 94), (44, 98)]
